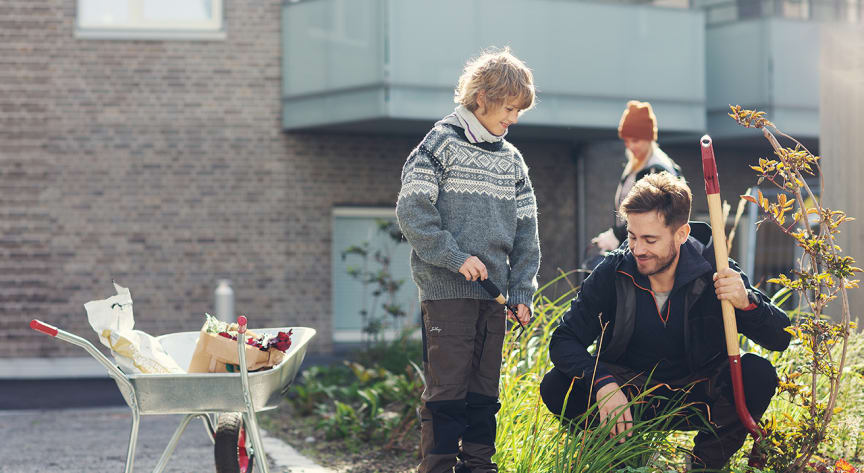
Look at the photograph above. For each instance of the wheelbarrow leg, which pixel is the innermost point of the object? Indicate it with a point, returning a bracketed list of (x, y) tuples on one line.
[(172, 444), (257, 443), (133, 441), (249, 416), (209, 427)]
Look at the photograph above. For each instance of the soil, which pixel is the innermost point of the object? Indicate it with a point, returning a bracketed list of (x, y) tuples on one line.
[(302, 434)]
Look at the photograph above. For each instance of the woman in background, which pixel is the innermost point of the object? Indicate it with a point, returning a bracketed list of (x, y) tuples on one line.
[(638, 130)]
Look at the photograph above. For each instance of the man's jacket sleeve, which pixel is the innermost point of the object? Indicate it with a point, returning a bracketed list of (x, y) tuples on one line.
[(764, 324), (581, 326)]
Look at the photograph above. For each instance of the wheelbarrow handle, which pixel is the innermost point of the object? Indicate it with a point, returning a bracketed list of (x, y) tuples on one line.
[(40, 326), (109, 365)]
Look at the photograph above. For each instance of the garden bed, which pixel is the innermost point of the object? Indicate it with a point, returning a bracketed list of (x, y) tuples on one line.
[(302, 433)]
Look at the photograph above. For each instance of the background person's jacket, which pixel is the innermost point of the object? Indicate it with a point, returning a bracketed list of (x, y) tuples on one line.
[(609, 295)]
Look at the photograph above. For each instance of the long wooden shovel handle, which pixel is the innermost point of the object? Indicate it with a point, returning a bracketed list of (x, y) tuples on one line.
[(730, 326)]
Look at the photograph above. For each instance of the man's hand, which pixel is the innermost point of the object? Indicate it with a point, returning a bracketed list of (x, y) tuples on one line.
[(606, 241), (613, 408), (730, 287), (523, 315), (473, 269)]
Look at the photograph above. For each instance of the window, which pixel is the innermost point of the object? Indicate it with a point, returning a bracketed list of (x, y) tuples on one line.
[(150, 19), (359, 234)]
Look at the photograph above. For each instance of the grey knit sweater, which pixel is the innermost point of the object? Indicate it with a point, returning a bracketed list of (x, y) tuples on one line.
[(459, 199)]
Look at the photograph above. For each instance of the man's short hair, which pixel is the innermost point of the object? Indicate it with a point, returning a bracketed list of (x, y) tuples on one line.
[(502, 75), (662, 192)]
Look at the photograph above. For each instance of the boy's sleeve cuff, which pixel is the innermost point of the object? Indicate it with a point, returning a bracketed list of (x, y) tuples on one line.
[(521, 297), (455, 260)]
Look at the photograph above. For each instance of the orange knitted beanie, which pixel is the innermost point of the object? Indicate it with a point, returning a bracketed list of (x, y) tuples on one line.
[(638, 121)]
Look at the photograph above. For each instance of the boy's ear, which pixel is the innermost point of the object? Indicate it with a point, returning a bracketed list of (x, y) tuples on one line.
[(481, 101)]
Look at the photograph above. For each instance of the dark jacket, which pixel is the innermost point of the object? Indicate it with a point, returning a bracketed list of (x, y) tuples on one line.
[(609, 295)]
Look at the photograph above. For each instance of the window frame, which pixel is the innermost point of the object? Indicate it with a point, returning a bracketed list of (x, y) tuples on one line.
[(138, 29), (343, 336)]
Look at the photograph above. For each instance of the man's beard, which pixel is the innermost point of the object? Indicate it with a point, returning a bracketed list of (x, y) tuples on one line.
[(663, 263)]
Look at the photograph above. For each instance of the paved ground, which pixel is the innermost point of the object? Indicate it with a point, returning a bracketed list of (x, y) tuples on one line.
[(78, 422), (95, 440)]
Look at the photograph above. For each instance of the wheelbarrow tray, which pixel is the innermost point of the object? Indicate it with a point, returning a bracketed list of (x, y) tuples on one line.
[(201, 393)]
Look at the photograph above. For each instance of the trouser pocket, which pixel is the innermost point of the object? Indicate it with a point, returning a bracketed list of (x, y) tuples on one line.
[(488, 343), (449, 332)]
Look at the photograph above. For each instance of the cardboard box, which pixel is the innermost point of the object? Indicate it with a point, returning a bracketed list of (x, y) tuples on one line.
[(214, 352)]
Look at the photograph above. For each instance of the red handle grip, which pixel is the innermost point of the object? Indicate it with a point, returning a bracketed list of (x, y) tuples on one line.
[(241, 321), (40, 326), (709, 166)]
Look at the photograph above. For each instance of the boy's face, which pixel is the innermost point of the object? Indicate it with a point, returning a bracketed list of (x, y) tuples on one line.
[(496, 120)]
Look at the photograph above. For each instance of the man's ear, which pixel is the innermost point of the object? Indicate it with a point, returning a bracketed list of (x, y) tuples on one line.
[(682, 234)]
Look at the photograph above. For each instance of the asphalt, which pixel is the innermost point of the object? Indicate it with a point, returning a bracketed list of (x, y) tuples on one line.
[(82, 425)]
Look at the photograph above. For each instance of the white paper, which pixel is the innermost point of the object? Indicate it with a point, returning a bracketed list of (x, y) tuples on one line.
[(134, 351)]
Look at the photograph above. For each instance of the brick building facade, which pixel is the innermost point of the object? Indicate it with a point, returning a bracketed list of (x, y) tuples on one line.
[(162, 165)]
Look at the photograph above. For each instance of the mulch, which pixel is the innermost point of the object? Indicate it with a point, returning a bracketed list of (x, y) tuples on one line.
[(302, 434)]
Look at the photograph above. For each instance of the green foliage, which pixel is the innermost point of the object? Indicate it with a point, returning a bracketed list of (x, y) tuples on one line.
[(366, 403), (816, 364), (530, 439), (375, 276)]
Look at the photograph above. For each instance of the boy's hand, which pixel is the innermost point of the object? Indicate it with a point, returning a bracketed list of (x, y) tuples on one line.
[(473, 269), (522, 314)]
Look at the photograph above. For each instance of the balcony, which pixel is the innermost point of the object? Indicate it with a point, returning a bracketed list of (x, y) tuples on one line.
[(765, 55), (390, 66)]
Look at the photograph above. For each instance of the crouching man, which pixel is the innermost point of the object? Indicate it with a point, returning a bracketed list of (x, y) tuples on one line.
[(659, 297)]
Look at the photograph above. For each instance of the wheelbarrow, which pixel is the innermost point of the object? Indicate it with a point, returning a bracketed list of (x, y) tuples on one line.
[(232, 399)]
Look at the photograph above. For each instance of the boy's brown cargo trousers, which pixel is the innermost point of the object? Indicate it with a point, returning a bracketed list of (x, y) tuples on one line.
[(462, 342)]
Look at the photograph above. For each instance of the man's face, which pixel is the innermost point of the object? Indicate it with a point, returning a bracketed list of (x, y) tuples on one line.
[(497, 119), (655, 245)]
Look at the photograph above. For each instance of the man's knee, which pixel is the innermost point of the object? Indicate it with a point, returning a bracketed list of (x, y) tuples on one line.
[(760, 382), (552, 391), (556, 388)]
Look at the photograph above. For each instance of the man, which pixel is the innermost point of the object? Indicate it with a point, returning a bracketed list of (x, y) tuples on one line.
[(658, 297), (468, 209)]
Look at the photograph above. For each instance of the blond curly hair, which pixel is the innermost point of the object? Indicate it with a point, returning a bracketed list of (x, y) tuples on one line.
[(501, 75)]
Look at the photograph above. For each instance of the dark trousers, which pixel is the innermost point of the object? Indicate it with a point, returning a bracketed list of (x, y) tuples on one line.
[(711, 394), (462, 342)]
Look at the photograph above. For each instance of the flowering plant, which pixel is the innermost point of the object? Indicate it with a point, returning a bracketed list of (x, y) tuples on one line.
[(280, 341)]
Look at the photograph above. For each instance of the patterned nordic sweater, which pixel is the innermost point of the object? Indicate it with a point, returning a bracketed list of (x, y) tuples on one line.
[(459, 199)]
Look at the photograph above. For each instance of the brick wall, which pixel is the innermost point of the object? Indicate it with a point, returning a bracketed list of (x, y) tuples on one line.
[(161, 165)]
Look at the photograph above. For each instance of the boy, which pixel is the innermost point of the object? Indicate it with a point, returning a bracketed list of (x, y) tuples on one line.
[(468, 210)]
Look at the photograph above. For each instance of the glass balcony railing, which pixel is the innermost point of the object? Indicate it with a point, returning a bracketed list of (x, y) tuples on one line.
[(725, 11)]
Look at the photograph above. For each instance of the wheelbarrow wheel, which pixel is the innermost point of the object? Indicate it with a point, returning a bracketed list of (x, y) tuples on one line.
[(230, 449)]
